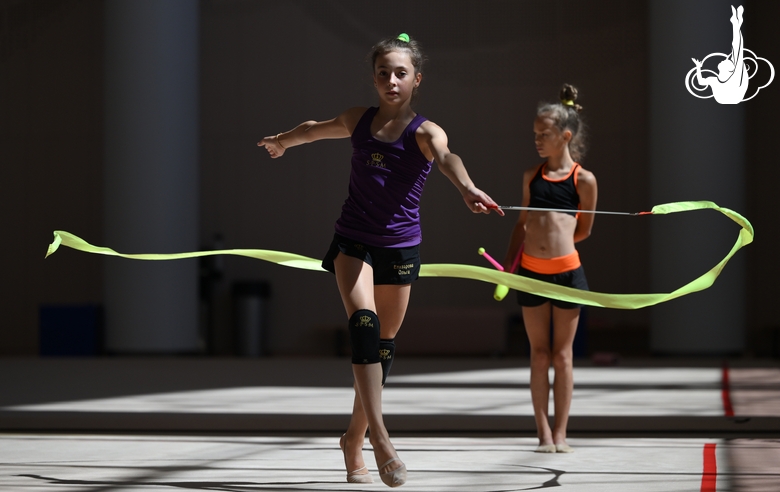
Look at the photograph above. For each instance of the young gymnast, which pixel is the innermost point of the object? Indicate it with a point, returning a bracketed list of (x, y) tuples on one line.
[(545, 242), (375, 250)]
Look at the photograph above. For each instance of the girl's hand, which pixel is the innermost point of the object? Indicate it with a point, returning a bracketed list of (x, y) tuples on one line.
[(272, 145), (479, 202)]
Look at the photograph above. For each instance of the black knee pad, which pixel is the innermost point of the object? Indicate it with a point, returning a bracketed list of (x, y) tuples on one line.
[(364, 337), (386, 354)]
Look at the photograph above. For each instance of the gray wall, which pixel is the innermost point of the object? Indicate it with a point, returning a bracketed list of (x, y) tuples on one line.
[(51, 159), (267, 66)]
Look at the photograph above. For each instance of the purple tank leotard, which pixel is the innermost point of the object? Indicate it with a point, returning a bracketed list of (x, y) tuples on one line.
[(385, 186)]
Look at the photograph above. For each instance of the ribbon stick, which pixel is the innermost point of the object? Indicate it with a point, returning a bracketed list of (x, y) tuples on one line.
[(566, 210), (517, 282)]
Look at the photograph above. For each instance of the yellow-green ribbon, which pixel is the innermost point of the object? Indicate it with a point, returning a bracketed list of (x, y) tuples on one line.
[(63, 238), (517, 282)]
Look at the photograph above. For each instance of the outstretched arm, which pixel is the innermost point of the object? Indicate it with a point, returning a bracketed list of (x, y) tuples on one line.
[(341, 126), (433, 143)]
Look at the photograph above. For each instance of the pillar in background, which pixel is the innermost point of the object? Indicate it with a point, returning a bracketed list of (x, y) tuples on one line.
[(151, 174), (697, 152)]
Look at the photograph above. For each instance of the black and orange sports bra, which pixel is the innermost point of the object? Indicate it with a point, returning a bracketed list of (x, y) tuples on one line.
[(555, 193)]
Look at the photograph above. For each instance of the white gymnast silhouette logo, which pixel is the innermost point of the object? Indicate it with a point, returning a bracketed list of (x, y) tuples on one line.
[(735, 70)]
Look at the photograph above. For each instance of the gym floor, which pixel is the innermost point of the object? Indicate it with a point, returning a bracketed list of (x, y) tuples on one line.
[(459, 425)]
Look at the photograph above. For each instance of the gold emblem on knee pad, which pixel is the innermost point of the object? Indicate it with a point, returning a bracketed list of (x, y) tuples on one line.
[(384, 354), (365, 321)]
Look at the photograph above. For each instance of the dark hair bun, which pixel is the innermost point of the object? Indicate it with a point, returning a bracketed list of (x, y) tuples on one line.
[(568, 96)]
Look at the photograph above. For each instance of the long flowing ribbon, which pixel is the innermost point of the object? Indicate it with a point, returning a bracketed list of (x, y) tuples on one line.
[(63, 238), (517, 282)]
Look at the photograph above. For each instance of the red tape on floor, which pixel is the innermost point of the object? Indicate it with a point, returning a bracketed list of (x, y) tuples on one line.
[(725, 392), (710, 473)]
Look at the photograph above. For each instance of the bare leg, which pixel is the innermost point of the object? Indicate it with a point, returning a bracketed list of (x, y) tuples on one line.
[(391, 303), (352, 440), (565, 327), (368, 380), (537, 326), (355, 282)]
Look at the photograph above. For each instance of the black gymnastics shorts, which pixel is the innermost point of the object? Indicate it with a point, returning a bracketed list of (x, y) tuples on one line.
[(573, 278), (392, 266)]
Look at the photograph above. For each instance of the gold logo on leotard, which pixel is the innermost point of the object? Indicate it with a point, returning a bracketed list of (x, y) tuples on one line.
[(376, 160)]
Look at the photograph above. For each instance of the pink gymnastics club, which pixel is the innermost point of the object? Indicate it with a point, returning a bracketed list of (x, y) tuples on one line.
[(501, 290), (490, 259)]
